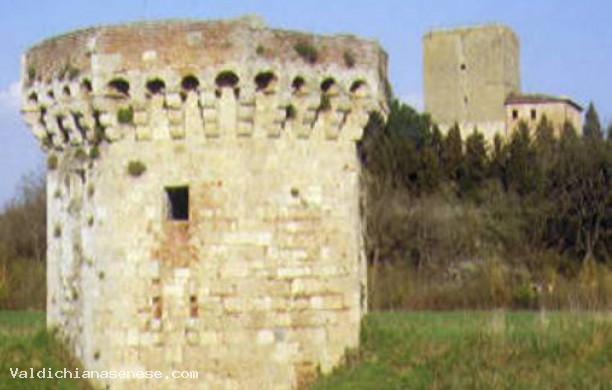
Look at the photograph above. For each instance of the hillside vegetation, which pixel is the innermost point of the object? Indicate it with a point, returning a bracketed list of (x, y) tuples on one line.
[(23, 246), (523, 223)]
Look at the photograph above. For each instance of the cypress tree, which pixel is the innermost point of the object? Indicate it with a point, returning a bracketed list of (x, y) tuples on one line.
[(429, 170), (452, 155), (544, 134), (499, 157), (476, 161), (436, 141), (522, 175), (545, 148), (592, 125)]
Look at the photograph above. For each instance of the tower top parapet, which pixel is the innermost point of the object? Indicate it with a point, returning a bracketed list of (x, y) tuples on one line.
[(108, 77), (188, 46)]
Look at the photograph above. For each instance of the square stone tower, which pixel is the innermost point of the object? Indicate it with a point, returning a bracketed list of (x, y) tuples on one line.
[(203, 198), (468, 73)]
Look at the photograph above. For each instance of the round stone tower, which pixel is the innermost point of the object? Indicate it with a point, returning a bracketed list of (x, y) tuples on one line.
[(203, 197)]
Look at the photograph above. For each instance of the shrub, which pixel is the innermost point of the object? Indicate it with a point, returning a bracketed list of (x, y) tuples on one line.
[(52, 162), (73, 72), (389, 285), (307, 51), (68, 71), (349, 59), (260, 50), (136, 168), (290, 112), (80, 154), (325, 104), (524, 296), (47, 142), (31, 74), (94, 152), (99, 134), (125, 115), (23, 286)]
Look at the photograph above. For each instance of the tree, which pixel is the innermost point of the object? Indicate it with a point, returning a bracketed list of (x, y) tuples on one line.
[(499, 160), (388, 151), (544, 134), (592, 125), (437, 140), (23, 232), (23, 247), (428, 174), (452, 155), (545, 145), (476, 162), (405, 121), (522, 170), (580, 224)]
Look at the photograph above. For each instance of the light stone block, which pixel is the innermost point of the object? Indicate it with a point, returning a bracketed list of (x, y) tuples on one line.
[(265, 337)]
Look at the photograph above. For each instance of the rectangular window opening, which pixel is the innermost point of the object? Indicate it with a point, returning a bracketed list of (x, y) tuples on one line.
[(514, 114), (193, 306), (178, 203), (157, 307), (533, 114)]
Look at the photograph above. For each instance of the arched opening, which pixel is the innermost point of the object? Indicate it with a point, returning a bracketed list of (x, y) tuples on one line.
[(86, 86), (327, 86), (156, 86), (298, 84), (190, 83), (227, 79), (51, 94), (119, 86), (33, 98), (265, 81), (66, 91), (359, 88)]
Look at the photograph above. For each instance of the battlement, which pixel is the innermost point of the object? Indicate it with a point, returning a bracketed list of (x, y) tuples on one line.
[(184, 79)]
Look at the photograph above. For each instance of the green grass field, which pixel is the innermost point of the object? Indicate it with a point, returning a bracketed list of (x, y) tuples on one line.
[(479, 350), (455, 350), (23, 344)]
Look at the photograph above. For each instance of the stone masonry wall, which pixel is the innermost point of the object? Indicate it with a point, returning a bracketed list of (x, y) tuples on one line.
[(557, 113), (468, 73), (264, 282)]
